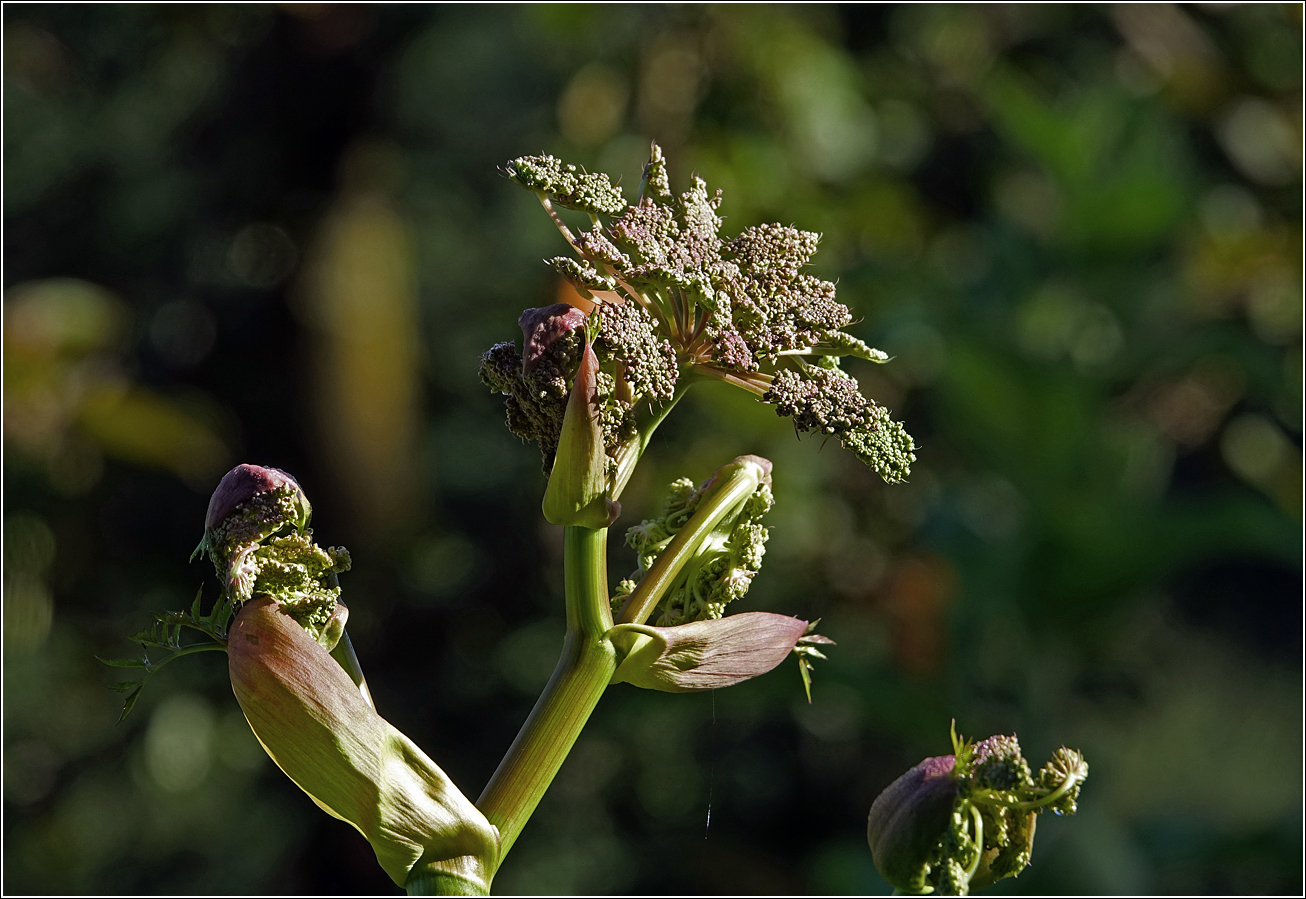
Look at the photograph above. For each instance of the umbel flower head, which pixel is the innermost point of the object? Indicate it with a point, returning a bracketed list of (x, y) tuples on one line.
[(667, 300), (961, 822)]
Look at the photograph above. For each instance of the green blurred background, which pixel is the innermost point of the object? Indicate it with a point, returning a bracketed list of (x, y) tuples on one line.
[(278, 235)]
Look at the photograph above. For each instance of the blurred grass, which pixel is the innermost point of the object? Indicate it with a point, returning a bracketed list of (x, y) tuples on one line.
[(277, 235)]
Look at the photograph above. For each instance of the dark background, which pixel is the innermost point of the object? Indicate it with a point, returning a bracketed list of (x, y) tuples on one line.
[(279, 235)]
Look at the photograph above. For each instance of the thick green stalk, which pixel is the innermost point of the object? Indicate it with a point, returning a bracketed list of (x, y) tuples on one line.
[(583, 673), (430, 881)]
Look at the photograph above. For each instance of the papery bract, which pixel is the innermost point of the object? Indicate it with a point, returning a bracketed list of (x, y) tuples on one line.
[(316, 725)]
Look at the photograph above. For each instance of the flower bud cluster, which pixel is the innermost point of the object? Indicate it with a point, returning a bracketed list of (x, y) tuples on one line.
[(536, 387), (635, 366), (961, 822), (256, 535), (675, 296), (724, 566)]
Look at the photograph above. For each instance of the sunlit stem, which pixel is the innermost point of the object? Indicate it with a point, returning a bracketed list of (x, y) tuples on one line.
[(582, 674), (553, 214), (735, 483), (1066, 786), (756, 383), (979, 843), (628, 454), (348, 659), (430, 881)]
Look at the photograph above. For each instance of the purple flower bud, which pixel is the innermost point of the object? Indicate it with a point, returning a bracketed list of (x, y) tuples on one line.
[(705, 655), (541, 327), (908, 820), (239, 485)]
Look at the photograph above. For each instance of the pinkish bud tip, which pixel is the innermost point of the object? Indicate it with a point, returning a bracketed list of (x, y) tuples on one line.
[(541, 327), (239, 485)]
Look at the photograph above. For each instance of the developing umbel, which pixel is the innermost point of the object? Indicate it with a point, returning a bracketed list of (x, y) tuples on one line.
[(669, 300), (960, 822)]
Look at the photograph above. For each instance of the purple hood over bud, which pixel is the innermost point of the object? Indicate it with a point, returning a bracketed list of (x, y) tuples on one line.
[(240, 484), (909, 818), (541, 327)]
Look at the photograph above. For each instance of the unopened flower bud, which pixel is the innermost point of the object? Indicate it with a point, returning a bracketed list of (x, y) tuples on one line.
[(704, 655), (257, 536), (962, 822), (542, 327), (242, 484), (250, 504), (908, 820), (316, 725)]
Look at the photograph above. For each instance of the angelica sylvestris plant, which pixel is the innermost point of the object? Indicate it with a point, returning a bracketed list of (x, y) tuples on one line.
[(664, 301)]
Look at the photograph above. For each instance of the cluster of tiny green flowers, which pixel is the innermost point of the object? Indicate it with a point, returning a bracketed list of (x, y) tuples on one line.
[(673, 295), (724, 566), (264, 547), (995, 785), (299, 575), (231, 542)]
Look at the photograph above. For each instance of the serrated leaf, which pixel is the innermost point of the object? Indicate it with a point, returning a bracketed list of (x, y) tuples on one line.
[(130, 703), (805, 669), (125, 663), (195, 606)]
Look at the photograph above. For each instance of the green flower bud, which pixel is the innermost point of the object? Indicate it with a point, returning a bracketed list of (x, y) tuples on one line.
[(962, 822), (316, 725), (257, 536), (704, 655), (909, 819), (1013, 835), (578, 484), (250, 504)]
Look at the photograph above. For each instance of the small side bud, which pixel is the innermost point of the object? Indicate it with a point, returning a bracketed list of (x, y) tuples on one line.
[(974, 827), (334, 628), (542, 327), (256, 534)]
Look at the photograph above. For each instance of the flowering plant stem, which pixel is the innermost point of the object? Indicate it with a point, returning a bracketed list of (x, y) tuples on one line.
[(582, 674)]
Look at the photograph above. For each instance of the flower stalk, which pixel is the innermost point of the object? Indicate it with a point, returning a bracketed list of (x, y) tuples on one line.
[(578, 682)]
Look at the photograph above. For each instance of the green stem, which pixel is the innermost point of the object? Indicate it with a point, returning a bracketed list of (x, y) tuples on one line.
[(629, 453), (430, 881), (738, 481), (1050, 798), (979, 843), (582, 674)]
